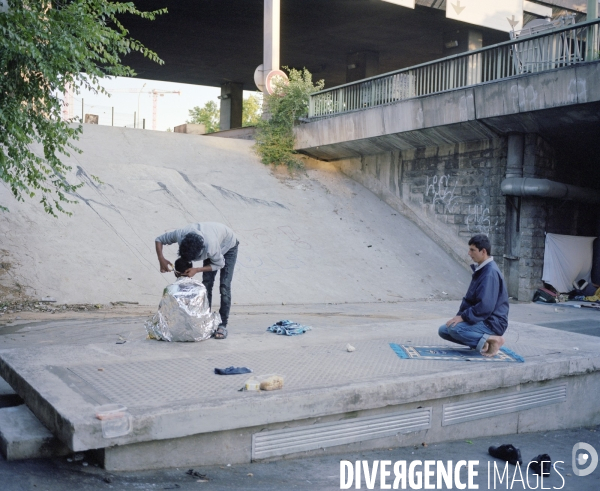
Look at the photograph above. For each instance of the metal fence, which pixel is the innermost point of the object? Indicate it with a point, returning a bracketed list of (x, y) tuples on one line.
[(527, 52)]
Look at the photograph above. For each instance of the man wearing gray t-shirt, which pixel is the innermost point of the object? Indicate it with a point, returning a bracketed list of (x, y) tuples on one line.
[(216, 245)]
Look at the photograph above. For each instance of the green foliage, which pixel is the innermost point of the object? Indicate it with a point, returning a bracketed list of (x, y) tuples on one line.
[(275, 136), (45, 47), (209, 116), (251, 110)]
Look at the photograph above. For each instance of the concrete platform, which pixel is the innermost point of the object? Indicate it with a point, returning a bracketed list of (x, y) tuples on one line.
[(332, 400)]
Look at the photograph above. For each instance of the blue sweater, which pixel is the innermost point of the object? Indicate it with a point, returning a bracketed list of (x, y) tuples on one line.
[(486, 299)]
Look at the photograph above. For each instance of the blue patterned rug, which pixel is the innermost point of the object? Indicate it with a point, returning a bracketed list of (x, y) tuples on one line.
[(407, 352)]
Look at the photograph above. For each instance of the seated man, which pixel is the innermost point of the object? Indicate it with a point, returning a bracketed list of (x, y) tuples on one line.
[(482, 317)]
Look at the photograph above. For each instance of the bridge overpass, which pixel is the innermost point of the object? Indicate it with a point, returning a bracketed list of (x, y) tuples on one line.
[(438, 140)]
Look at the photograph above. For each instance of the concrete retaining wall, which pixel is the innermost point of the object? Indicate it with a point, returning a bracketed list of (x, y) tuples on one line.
[(453, 192)]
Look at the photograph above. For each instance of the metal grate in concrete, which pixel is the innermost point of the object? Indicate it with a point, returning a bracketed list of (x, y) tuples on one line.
[(155, 383), (268, 444), (508, 403)]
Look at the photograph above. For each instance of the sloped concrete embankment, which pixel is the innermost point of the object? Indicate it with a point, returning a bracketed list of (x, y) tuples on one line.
[(317, 237)]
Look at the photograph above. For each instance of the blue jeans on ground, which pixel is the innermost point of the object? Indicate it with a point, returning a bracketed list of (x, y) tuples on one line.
[(225, 277), (472, 335)]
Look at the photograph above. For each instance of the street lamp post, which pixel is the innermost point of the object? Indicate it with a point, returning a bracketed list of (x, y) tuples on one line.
[(138, 107)]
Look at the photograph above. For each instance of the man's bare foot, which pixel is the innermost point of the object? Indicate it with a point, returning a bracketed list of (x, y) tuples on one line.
[(492, 346)]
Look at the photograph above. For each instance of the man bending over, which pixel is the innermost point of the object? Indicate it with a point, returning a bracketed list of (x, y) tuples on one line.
[(216, 245), (482, 317)]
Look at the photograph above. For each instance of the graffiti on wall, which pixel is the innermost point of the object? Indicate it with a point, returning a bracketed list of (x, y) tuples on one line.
[(478, 219), (442, 191)]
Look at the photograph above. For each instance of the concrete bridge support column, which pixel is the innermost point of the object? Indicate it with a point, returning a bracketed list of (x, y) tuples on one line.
[(232, 101)]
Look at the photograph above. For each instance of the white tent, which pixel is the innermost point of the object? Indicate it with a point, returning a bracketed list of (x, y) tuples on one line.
[(567, 258)]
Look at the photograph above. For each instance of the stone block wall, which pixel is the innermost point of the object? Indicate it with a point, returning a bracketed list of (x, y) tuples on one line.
[(453, 192)]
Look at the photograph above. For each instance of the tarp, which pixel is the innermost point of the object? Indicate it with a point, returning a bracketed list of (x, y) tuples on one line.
[(567, 258)]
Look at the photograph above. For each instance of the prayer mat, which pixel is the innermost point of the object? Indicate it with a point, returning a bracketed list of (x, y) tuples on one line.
[(407, 352)]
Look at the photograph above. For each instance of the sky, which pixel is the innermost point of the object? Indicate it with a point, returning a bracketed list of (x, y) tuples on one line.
[(127, 93)]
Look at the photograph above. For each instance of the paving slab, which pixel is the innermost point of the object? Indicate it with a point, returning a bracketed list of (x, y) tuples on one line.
[(22, 436)]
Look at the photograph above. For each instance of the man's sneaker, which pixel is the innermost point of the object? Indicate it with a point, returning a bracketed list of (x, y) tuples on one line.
[(541, 463), (506, 452)]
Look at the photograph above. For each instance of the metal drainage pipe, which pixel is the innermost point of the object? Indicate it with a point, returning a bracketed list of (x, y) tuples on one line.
[(544, 188)]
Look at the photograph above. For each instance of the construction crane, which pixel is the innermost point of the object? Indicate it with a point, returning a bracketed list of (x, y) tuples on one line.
[(155, 94)]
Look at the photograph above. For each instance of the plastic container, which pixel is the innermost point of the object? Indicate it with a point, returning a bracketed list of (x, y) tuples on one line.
[(116, 420), (252, 384)]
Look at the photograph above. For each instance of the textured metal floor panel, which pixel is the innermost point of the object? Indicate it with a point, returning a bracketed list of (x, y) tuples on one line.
[(186, 379)]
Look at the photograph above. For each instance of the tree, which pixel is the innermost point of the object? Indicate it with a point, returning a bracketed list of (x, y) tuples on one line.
[(289, 102), (44, 47), (209, 116), (251, 110)]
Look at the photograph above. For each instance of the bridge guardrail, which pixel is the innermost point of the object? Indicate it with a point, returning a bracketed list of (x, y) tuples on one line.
[(549, 50)]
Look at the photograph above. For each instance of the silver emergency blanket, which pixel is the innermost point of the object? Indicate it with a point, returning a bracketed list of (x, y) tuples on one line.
[(567, 258), (183, 313)]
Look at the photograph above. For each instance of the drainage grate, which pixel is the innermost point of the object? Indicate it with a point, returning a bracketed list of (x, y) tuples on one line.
[(282, 442), (509, 403)]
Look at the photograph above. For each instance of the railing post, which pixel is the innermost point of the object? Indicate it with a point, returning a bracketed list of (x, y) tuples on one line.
[(592, 31)]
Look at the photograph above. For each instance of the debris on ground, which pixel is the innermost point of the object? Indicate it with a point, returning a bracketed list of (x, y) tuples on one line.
[(193, 473), (350, 348)]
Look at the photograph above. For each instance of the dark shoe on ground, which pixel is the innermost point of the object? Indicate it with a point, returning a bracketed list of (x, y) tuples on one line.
[(221, 332), (541, 463), (506, 452)]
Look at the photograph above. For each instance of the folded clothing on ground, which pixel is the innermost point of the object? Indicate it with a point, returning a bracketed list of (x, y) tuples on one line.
[(288, 328), (232, 370)]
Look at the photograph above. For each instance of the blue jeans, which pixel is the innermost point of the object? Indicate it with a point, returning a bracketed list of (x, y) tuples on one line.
[(472, 335), (225, 277)]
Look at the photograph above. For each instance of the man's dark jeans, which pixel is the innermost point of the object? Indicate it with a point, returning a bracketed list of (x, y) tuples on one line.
[(225, 277)]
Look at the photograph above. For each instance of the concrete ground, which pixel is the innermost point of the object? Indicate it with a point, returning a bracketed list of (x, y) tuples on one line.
[(314, 473), (322, 473)]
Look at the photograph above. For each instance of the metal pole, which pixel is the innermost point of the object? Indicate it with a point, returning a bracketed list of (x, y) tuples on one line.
[(134, 118), (138, 105), (113, 116), (592, 34), (271, 35), (82, 109), (144, 123)]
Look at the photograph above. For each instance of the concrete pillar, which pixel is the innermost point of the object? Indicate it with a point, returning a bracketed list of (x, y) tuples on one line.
[(463, 40), (362, 64), (514, 168), (271, 36), (596, 257), (232, 100)]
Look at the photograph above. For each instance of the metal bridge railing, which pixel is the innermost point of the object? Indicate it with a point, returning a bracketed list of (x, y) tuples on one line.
[(527, 53)]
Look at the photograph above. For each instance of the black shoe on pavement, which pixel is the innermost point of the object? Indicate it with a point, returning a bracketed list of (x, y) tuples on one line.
[(506, 452), (541, 463)]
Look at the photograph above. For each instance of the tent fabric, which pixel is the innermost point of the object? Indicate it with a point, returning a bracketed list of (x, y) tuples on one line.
[(567, 258)]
